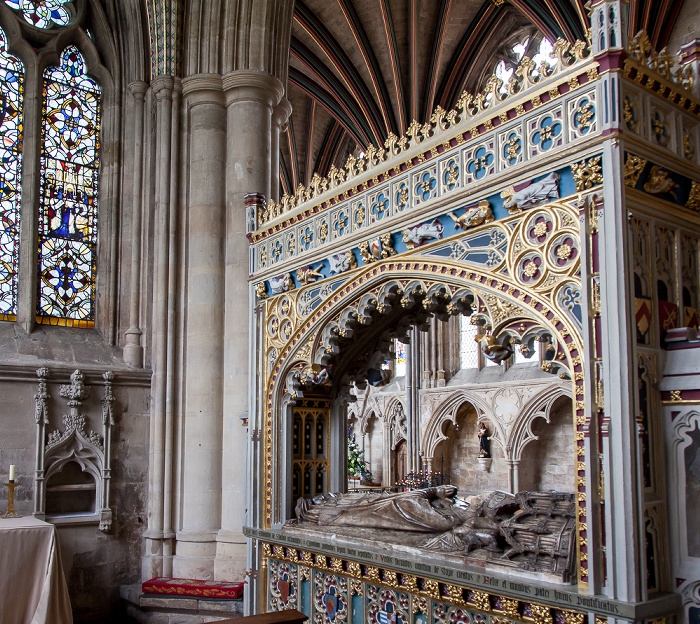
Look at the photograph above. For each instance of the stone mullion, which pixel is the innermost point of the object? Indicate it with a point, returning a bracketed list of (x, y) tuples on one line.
[(27, 294)]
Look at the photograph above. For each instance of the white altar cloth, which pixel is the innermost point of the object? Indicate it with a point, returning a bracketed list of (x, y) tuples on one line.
[(33, 588)]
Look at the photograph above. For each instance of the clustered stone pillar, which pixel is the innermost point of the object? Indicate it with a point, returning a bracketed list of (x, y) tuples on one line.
[(251, 166), (279, 122), (133, 350), (204, 328), (440, 352), (158, 540)]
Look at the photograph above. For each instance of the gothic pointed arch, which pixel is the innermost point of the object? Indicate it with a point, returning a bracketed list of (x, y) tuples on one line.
[(411, 289)]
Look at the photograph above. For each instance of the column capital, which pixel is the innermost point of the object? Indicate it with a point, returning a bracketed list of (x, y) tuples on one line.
[(203, 89), (246, 85), (162, 86), (281, 113), (137, 89)]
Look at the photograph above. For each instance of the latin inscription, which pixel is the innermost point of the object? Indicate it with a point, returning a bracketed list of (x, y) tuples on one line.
[(476, 580)]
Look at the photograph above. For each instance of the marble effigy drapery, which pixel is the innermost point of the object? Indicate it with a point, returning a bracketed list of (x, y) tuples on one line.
[(533, 532)]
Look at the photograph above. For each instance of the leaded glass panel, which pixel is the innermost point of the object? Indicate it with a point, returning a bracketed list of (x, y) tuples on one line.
[(468, 346), (400, 366), (68, 210), (11, 94), (42, 13)]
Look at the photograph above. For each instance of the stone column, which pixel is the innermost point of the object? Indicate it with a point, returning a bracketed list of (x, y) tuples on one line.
[(153, 564), (279, 121), (623, 529), (251, 98), (513, 475), (133, 350), (413, 401), (204, 329), (339, 443)]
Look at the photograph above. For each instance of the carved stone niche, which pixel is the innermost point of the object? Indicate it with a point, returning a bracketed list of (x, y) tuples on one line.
[(73, 465)]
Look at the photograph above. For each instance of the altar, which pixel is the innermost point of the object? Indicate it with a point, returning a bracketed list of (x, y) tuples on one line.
[(33, 588)]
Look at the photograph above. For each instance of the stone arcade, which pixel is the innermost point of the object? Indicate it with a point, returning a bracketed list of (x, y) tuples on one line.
[(427, 272)]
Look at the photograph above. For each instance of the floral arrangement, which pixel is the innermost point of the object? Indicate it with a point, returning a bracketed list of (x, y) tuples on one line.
[(357, 465)]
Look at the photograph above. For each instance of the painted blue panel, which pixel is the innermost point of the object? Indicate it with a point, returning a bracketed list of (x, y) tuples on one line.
[(694, 615), (357, 615), (420, 618), (567, 187), (305, 598)]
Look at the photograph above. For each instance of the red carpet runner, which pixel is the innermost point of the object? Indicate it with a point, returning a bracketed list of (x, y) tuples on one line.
[(193, 587)]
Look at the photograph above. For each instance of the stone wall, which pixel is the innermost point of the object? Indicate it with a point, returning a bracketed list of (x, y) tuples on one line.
[(374, 446), (547, 463), (95, 563), (461, 451), (687, 26)]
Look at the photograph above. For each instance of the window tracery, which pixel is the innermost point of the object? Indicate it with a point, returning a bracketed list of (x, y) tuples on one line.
[(68, 204), (11, 96), (468, 346), (400, 359), (43, 13), (68, 125), (538, 48)]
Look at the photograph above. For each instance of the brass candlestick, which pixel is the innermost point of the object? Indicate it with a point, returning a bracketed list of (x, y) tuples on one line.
[(10, 513)]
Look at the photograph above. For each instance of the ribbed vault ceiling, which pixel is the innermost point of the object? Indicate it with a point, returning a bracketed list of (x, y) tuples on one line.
[(360, 69)]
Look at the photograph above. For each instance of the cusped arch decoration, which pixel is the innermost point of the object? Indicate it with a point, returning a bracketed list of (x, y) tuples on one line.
[(419, 288), (367, 417), (446, 412), (396, 422), (680, 437), (540, 406)]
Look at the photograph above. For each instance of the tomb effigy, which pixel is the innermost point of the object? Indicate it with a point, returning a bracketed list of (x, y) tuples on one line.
[(530, 531)]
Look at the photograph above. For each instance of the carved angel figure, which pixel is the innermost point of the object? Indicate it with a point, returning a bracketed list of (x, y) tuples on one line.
[(493, 350), (482, 213), (307, 274), (342, 262), (659, 182), (418, 234), (535, 194), (281, 284)]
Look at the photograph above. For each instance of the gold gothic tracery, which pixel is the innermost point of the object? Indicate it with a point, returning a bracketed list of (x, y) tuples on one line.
[(527, 289)]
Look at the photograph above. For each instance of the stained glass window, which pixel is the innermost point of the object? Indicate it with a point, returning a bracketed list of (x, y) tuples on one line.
[(42, 13), (400, 351), (68, 209), (468, 346), (11, 93)]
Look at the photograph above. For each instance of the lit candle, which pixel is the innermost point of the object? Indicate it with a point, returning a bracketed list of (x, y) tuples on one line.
[(12, 472)]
